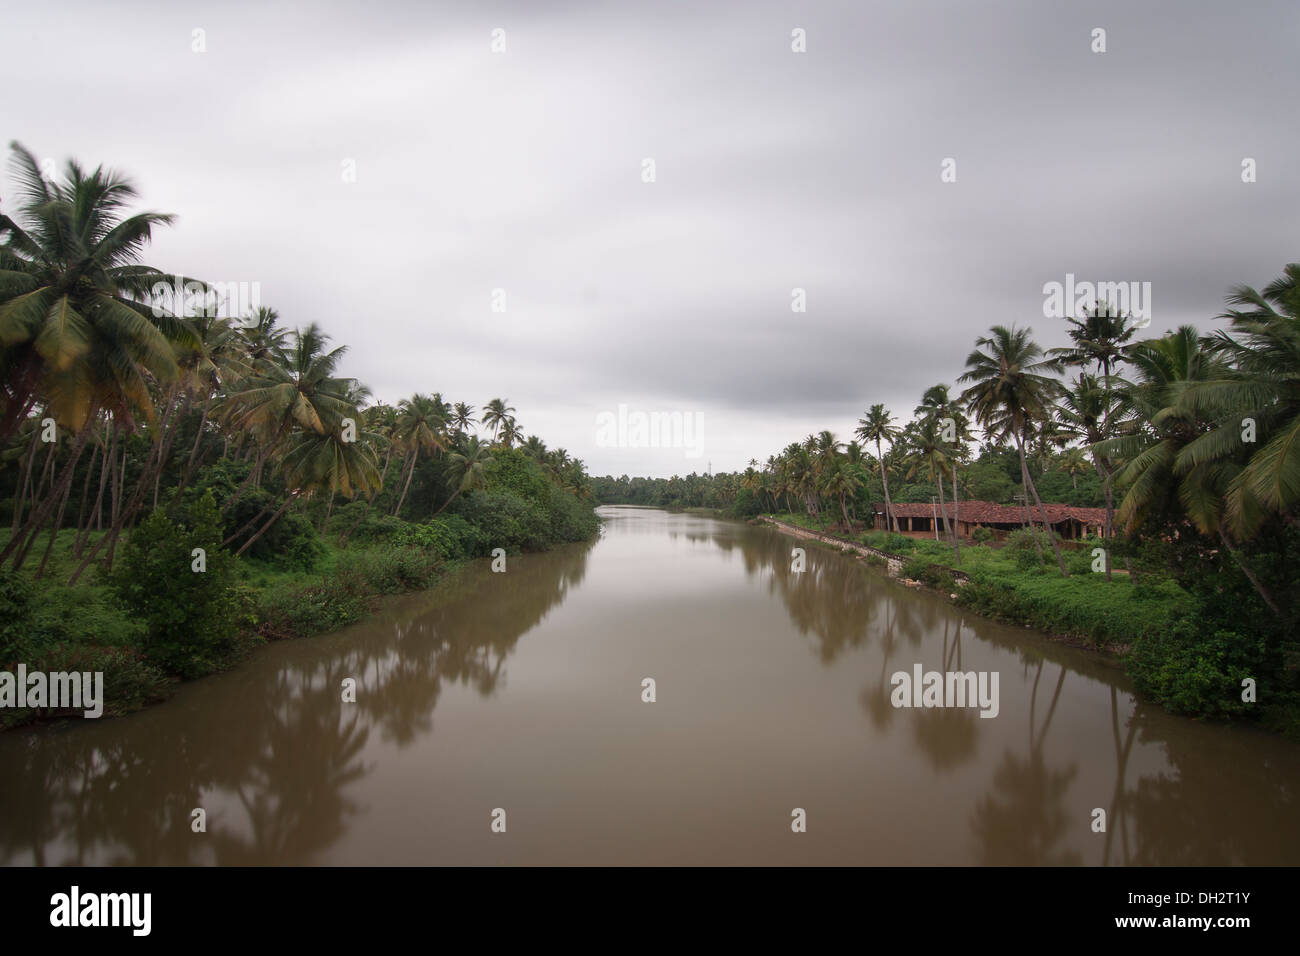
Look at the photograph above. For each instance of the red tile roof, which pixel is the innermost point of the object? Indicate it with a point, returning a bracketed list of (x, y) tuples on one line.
[(986, 512)]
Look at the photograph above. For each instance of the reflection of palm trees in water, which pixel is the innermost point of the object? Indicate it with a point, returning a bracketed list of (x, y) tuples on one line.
[(1117, 816), (1021, 822), (1174, 818), (947, 735), (270, 752)]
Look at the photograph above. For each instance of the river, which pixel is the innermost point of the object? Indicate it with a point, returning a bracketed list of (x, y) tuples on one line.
[(514, 701)]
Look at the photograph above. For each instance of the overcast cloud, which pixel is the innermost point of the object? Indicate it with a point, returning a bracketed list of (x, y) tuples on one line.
[(522, 171)]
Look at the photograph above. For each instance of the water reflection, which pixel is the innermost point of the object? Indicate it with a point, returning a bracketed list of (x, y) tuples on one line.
[(268, 751), (1036, 809), (775, 692)]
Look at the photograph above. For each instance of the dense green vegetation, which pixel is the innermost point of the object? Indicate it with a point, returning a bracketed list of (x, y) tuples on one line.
[(180, 485), (1198, 436)]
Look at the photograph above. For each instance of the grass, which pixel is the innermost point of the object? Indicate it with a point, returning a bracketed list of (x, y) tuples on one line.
[(1005, 586)]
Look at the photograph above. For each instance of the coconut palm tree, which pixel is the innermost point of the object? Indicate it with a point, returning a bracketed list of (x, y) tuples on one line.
[(462, 417), (1259, 386), (421, 426), (1008, 394), (877, 426), (466, 470), (71, 284), (495, 415), (77, 330), (298, 389)]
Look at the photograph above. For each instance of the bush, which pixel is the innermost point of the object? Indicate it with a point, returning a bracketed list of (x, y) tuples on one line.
[(190, 617), (450, 537), (1191, 670), (915, 568), (506, 521), (130, 682), (981, 535), (571, 518), (392, 570), (300, 611)]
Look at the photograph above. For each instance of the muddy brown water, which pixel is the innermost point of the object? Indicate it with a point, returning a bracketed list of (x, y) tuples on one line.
[(522, 691)]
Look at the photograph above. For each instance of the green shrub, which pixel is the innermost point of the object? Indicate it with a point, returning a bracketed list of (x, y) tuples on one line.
[(130, 682), (449, 536), (915, 568), (300, 611), (939, 577), (506, 521), (1190, 670), (392, 570), (374, 527), (190, 617), (981, 535), (571, 518)]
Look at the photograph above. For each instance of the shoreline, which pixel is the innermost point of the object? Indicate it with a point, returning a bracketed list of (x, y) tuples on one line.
[(893, 564)]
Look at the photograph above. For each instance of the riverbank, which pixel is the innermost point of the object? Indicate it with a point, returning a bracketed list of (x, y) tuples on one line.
[(124, 623), (1083, 609), (1148, 624)]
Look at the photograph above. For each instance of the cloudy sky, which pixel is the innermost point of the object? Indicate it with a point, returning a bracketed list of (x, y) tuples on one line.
[(523, 170)]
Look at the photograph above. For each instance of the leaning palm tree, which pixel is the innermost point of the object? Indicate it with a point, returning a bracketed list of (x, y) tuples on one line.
[(466, 470), (324, 461), (1008, 394), (296, 389), (421, 426), (70, 281), (877, 426), (1260, 385), (78, 329)]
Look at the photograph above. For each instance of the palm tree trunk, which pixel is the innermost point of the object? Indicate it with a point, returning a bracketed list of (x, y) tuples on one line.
[(58, 522), (39, 515), (943, 509), (447, 502), (1056, 547), (24, 480), (410, 470), (266, 527), (83, 515), (356, 524), (884, 480), (956, 518)]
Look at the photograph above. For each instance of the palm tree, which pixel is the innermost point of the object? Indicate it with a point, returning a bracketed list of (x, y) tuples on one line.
[(465, 470), (73, 291), (462, 417), (876, 426), (929, 452), (938, 406), (1083, 414), (510, 433), (1074, 462), (1263, 348), (421, 425), (77, 329), (1008, 394), (1157, 426), (495, 415), (298, 388)]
